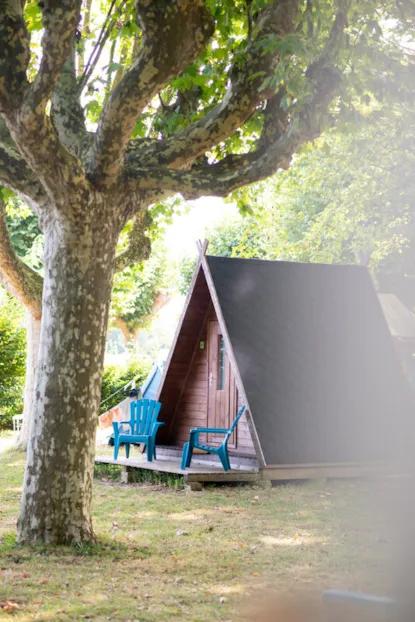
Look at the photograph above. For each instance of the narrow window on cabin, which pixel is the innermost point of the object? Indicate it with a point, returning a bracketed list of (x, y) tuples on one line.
[(221, 363)]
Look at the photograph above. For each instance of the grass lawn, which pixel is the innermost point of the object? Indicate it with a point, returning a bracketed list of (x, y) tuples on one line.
[(165, 554)]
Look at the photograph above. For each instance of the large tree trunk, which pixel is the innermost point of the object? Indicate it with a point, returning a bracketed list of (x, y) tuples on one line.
[(33, 339), (57, 490)]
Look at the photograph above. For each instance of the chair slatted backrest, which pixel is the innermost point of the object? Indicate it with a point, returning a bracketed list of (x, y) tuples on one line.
[(238, 416), (143, 414)]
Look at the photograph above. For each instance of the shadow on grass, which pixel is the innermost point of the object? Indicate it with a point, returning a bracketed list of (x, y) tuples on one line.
[(112, 472), (102, 548)]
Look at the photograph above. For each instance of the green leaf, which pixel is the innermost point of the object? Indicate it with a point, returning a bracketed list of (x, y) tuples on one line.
[(33, 16)]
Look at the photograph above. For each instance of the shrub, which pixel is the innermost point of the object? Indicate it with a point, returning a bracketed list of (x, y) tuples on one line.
[(12, 359), (116, 377)]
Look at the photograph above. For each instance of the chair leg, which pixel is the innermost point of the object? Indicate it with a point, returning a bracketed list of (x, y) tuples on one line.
[(189, 455), (116, 448), (223, 455), (154, 449), (127, 450), (149, 450), (184, 456)]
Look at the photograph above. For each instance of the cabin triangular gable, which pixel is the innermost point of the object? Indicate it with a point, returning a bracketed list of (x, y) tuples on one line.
[(182, 350), (186, 392)]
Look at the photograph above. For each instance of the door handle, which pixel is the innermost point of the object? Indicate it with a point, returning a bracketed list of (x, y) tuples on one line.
[(210, 379)]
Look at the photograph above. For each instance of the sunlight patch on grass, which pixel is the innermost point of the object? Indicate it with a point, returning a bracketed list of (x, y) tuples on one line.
[(180, 516), (296, 540), (227, 589), (145, 514)]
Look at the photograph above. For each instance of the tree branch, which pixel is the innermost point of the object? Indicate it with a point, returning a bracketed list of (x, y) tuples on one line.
[(99, 46), (18, 278), (241, 99), (280, 138), (84, 34), (24, 114), (174, 32), (276, 147), (15, 174), (14, 55), (66, 112), (139, 245), (276, 120), (60, 19)]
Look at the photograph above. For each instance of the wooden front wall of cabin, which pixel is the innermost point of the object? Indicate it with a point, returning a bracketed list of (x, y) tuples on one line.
[(200, 388)]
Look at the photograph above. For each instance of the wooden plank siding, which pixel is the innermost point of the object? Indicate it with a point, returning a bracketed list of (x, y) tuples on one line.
[(193, 405), (181, 358), (184, 394)]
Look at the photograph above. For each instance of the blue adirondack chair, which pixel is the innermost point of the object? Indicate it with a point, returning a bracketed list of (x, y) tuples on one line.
[(143, 427), (221, 451)]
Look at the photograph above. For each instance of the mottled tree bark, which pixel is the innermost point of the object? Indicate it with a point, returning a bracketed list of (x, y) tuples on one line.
[(58, 479), (33, 341)]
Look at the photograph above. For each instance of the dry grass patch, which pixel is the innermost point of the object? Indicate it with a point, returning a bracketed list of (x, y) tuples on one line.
[(165, 554)]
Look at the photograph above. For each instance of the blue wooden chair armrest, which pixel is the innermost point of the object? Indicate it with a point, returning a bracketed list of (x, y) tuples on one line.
[(211, 430), (116, 424), (158, 424)]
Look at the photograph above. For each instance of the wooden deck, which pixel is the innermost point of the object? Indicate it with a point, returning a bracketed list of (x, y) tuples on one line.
[(199, 473)]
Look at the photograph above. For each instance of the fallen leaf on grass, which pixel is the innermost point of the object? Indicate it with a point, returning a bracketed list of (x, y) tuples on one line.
[(9, 605), (180, 532)]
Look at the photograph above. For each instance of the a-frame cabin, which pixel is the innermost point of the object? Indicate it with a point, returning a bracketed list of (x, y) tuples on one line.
[(199, 386), (306, 348)]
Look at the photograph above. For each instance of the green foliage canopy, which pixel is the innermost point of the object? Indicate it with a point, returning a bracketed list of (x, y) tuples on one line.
[(136, 288), (348, 198), (375, 61)]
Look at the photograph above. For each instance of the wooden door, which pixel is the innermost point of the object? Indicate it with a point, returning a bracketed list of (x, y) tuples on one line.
[(222, 391)]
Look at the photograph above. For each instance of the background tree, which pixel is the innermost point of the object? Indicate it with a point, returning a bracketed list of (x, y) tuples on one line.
[(348, 198), (213, 95), (247, 236), (18, 228), (12, 361), (139, 292)]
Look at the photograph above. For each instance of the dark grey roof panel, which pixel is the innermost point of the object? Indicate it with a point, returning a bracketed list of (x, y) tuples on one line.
[(316, 359), (400, 320)]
